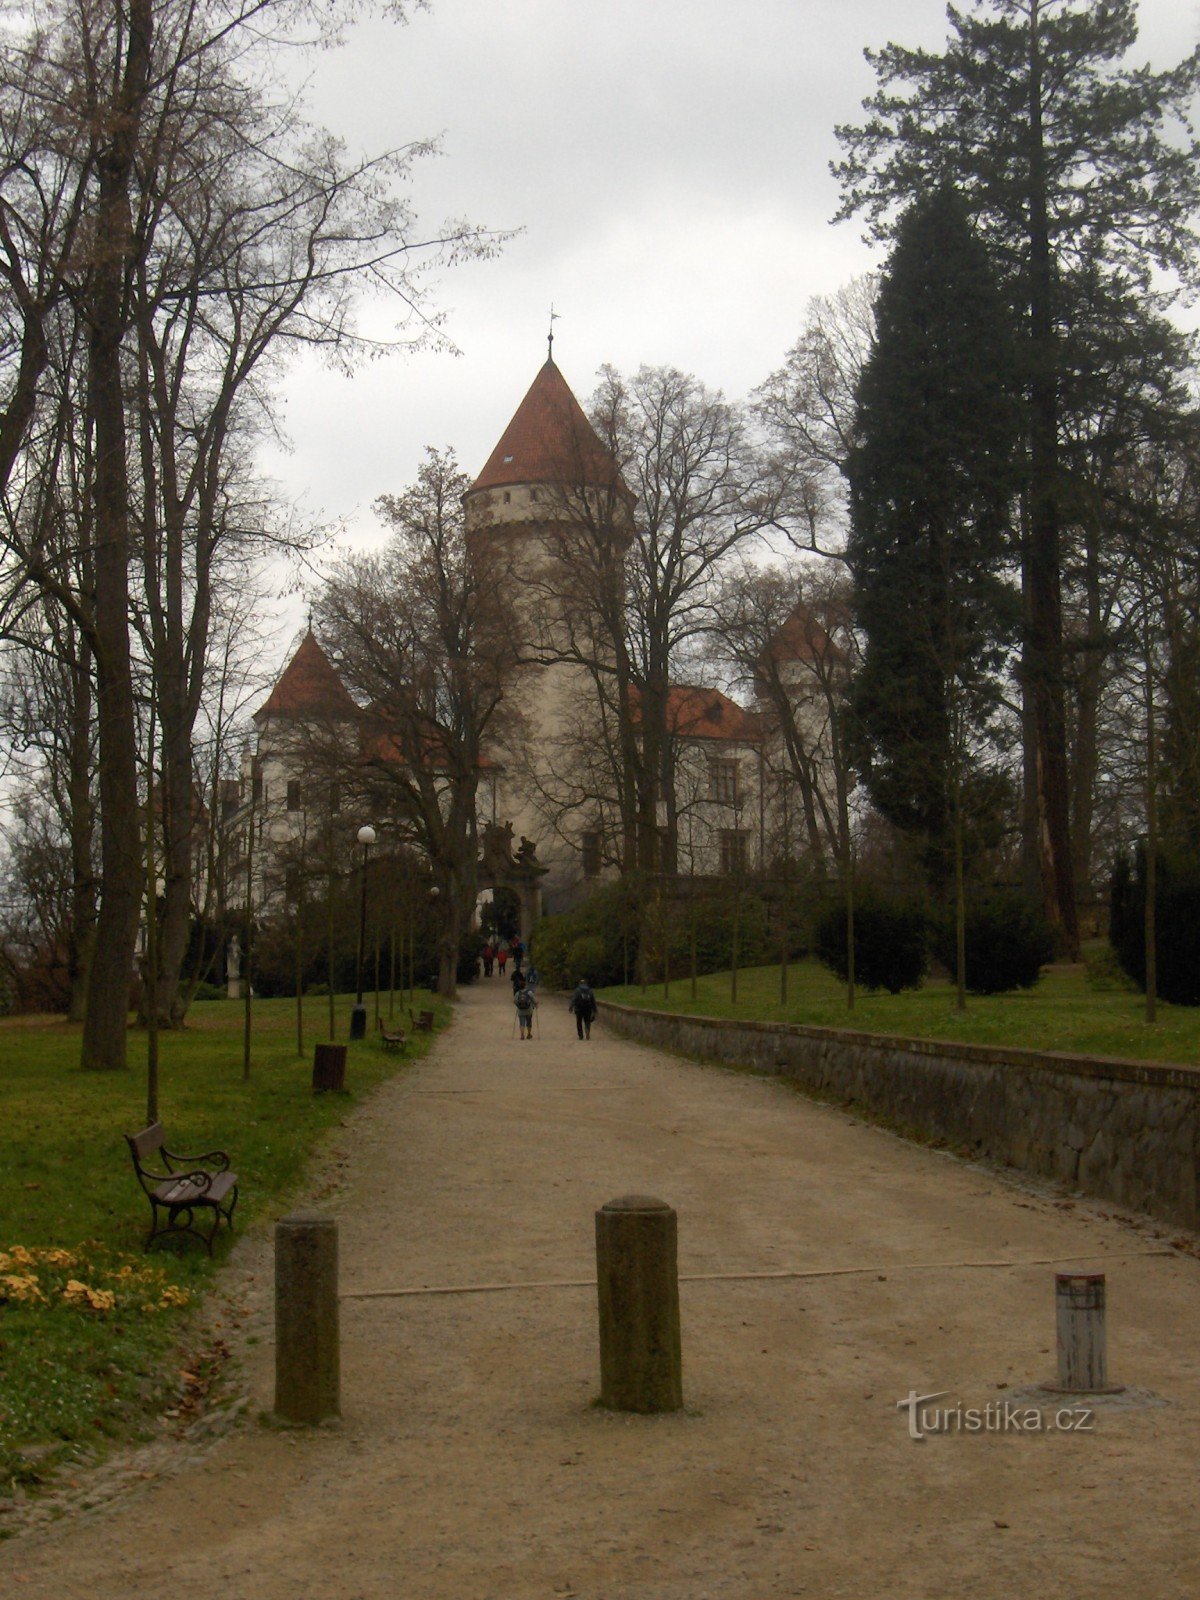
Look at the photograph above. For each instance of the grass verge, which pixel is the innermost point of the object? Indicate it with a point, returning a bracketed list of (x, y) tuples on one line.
[(92, 1329), (1071, 1008)]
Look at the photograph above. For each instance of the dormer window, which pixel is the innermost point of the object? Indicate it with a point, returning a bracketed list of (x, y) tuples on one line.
[(507, 460)]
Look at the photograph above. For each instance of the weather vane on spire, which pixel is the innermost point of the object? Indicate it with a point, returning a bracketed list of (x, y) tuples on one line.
[(554, 317)]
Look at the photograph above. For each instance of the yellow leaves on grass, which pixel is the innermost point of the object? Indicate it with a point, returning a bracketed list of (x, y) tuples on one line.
[(20, 1286), (37, 1276), (84, 1296)]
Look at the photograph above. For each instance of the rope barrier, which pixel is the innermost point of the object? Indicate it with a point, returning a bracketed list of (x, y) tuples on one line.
[(775, 1275)]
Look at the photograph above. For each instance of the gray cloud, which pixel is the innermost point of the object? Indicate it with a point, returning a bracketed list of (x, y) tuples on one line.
[(668, 161)]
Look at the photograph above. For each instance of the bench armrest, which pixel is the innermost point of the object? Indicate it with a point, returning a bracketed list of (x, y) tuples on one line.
[(211, 1158)]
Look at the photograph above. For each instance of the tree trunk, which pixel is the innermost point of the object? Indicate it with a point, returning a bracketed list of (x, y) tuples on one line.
[(1089, 677), (82, 828), (104, 1029), (1044, 652), (178, 822)]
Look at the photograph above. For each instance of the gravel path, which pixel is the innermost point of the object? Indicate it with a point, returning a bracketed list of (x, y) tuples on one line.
[(470, 1464)]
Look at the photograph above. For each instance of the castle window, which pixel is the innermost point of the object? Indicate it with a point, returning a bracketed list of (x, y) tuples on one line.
[(293, 795), (733, 851), (723, 782), (533, 494), (507, 497), (590, 847)]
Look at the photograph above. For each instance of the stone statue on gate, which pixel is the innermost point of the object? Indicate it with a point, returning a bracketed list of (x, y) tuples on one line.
[(497, 846)]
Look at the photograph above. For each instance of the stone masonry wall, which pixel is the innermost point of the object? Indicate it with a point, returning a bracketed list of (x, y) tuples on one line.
[(1126, 1131)]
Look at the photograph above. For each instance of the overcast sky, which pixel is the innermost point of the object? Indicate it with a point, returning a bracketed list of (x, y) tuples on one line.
[(668, 163)]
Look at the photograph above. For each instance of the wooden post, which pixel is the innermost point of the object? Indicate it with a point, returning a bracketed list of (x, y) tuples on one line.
[(637, 1274), (1079, 1302), (307, 1366)]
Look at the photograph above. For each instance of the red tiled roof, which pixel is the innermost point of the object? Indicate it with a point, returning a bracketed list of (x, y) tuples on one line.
[(384, 743), (694, 712), (308, 686), (549, 440), (803, 637)]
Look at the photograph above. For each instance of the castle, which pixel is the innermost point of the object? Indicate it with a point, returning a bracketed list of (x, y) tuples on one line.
[(548, 474)]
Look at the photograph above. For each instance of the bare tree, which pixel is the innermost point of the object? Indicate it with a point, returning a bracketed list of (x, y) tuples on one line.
[(807, 408), (217, 229), (626, 586), (423, 639), (787, 635)]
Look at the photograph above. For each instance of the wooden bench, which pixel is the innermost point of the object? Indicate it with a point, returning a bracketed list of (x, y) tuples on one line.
[(184, 1187), (391, 1038), (422, 1023)]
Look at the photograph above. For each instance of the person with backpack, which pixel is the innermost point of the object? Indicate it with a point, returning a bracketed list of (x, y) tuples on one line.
[(583, 1004), (526, 1004)]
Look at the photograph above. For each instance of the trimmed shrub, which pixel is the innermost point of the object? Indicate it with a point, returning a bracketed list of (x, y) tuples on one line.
[(599, 935), (602, 930), (1008, 942), (1176, 924), (1105, 973), (210, 991), (890, 939), (585, 956)]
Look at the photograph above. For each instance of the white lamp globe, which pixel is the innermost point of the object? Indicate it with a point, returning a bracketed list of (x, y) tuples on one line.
[(366, 834)]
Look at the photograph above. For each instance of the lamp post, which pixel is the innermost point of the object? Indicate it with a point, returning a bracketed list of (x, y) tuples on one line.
[(358, 1017)]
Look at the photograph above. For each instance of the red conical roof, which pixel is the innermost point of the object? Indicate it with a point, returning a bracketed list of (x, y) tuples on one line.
[(308, 687), (549, 440)]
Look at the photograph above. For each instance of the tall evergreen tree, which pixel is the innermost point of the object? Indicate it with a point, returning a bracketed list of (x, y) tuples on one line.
[(1084, 176), (931, 490)]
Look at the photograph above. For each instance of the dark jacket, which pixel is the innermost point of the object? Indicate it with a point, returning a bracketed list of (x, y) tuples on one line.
[(583, 1001)]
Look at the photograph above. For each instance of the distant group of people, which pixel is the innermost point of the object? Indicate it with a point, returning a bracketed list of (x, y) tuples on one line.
[(496, 952), (495, 956)]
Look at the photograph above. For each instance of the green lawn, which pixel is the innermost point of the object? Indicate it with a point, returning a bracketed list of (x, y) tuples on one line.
[(100, 1359), (1068, 1010)]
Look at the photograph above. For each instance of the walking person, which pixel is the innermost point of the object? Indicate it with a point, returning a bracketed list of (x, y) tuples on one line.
[(531, 979), (517, 979), (526, 1004), (489, 956), (583, 1004), (502, 956)]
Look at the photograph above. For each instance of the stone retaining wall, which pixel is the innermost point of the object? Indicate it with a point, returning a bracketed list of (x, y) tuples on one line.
[(1126, 1131)]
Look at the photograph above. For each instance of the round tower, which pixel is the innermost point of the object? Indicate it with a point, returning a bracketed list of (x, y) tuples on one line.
[(549, 519)]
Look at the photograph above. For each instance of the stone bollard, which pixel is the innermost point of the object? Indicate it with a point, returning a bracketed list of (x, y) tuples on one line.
[(307, 1373), (641, 1366), (1082, 1335)]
